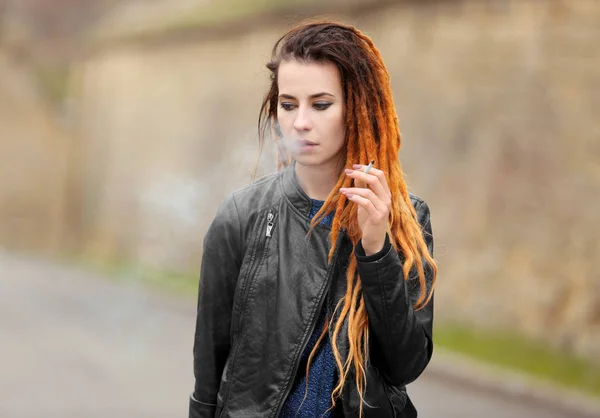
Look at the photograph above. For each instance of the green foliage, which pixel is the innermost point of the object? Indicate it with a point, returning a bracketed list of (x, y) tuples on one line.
[(53, 82), (519, 353), (184, 284)]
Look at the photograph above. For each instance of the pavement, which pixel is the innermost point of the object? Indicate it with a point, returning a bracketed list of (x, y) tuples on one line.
[(76, 344)]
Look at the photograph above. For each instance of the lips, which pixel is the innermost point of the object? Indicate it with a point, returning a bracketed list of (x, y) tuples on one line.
[(302, 146)]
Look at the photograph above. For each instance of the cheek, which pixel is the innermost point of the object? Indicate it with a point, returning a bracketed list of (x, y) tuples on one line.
[(285, 121), (337, 126)]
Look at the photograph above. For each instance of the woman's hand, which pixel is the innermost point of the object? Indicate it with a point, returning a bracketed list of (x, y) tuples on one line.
[(374, 199)]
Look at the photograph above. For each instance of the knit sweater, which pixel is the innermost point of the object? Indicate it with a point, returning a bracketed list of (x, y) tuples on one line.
[(322, 374)]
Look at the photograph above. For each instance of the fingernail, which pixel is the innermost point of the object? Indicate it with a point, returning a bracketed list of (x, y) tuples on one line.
[(357, 166), (348, 171), (343, 190)]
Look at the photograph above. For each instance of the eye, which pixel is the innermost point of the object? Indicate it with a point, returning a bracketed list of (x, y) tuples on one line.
[(322, 105), (287, 106)]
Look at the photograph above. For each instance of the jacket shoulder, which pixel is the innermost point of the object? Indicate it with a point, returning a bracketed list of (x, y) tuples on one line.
[(416, 200), (249, 201), (421, 209), (240, 209), (258, 195)]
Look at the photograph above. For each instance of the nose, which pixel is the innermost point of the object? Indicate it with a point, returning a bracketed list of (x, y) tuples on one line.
[(302, 121)]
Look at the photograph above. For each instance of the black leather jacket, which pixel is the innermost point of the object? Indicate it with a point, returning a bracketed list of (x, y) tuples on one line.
[(263, 282)]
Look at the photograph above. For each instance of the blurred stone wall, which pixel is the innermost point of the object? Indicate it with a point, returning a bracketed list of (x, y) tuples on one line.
[(34, 153), (499, 105)]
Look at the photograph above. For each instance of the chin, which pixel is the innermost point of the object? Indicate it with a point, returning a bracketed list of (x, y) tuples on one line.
[(313, 160), (308, 160)]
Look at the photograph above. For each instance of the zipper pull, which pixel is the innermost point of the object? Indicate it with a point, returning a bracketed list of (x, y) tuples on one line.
[(270, 224)]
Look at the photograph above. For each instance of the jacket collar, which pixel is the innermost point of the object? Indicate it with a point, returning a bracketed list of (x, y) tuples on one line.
[(293, 192)]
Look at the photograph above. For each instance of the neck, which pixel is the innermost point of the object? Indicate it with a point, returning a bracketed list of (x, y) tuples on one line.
[(317, 181)]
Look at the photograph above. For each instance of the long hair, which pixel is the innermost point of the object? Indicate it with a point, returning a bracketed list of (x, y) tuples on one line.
[(372, 133)]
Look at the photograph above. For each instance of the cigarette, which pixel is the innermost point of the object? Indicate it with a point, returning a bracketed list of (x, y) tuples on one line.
[(369, 167)]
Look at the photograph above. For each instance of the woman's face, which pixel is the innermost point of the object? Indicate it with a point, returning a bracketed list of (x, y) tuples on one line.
[(311, 112)]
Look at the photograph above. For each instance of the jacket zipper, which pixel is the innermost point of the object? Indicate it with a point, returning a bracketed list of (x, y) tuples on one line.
[(312, 327), (269, 229), (270, 223), (251, 274)]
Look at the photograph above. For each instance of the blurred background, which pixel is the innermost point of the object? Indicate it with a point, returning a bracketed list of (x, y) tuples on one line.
[(123, 123)]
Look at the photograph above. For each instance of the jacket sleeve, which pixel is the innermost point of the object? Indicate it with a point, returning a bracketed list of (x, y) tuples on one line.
[(221, 260), (401, 337)]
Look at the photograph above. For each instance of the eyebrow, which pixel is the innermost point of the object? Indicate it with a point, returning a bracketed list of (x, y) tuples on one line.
[(312, 96)]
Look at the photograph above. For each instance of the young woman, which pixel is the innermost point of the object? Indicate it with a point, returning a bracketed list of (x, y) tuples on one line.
[(316, 285)]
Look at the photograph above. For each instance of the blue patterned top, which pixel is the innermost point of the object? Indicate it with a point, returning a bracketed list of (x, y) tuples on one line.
[(323, 372)]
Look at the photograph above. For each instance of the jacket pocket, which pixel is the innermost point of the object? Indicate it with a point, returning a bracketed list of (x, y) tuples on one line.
[(259, 251), (261, 234)]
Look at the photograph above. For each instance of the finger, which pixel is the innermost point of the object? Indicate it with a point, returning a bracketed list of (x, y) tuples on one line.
[(365, 203), (357, 182), (372, 182), (380, 174), (366, 194)]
